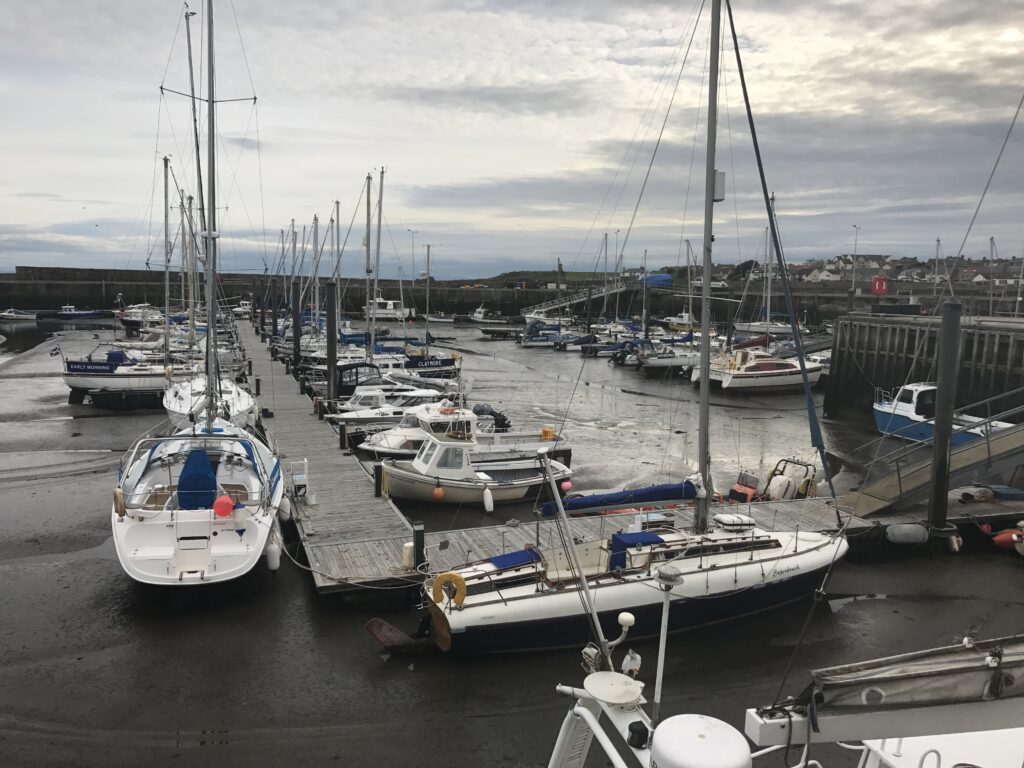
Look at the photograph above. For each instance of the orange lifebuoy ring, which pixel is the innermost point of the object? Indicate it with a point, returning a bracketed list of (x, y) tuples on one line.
[(443, 580)]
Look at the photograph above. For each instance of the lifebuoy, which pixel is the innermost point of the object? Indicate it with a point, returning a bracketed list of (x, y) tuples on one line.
[(119, 501), (442, 581)]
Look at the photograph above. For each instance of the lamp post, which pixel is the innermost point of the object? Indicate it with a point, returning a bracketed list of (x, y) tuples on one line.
[(413, 233), (853, 270)]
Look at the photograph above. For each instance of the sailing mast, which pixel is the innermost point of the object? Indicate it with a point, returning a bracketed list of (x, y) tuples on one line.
[(167, 263), (370, 302), (317, 252), (703, 500), (426, 335), (376, 263), (211, 231)]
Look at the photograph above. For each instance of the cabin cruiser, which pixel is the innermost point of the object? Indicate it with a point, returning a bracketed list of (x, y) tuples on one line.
[(17, 316), (758, 371), (910, 415), (244, 308), (387, 309), (390, 410)]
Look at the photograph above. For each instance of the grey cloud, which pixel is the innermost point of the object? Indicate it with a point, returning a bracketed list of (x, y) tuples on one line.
[(529, 99)]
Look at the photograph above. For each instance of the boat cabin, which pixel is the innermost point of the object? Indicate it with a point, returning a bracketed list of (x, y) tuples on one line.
[(916, 399), (445, 455)]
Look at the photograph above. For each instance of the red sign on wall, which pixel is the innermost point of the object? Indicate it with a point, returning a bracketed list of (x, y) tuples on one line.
[(879, 285)]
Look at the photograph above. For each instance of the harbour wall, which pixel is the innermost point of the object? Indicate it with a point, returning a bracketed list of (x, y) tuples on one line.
[(885, 351)]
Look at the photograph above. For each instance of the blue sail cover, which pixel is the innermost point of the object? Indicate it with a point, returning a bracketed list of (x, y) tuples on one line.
[(657, 278), (512, 559), (666, 492), (197, 485)]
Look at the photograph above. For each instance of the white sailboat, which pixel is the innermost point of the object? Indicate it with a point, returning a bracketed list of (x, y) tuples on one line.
[(541, 597), (201, 505)]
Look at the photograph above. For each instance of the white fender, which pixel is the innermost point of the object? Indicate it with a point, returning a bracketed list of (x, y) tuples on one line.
[(273, 553), (284, 511), (488, 500)]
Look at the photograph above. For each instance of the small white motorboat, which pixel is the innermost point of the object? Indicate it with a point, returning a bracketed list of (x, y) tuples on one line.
[(750, 370), (17, 316), (445, 470)]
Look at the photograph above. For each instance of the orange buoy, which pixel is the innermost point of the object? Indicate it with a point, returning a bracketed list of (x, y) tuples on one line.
[(223, 506), (438, 492), (1005, 539)]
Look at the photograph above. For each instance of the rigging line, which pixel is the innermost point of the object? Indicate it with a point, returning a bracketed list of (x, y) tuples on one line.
[(817, 439), (170, 52), (234, 174), (988, 183), (259, 173), (622, 161), (657, 143), (241, 43), (152, 192)]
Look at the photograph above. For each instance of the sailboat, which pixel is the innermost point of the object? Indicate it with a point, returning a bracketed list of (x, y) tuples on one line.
[(538, 597), (201, 505)]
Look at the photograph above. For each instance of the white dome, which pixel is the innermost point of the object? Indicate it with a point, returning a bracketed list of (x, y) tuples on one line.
[(696, 741)]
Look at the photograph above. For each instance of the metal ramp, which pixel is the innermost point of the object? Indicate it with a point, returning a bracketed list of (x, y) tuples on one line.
[(910, 480), (596, 292)]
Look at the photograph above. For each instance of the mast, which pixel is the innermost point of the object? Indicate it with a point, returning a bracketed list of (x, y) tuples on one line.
[(211, 231), (991, 275), (703, 500), (426, 335), (317, 251), (184, 256), (195, 118), (336, 247), (376, 263), (191, 278), (604, 304), (167, 262), (369, 270), (935, 275)]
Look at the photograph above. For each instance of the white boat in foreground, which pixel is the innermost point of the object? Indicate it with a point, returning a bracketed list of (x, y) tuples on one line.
[(198, 507)]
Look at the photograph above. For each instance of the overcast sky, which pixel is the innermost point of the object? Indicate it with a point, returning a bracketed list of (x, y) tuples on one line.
[(513, 132)]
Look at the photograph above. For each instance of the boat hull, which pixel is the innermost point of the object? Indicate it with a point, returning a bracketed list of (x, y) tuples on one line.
[(898, 425), (572, 629), (405, 485)]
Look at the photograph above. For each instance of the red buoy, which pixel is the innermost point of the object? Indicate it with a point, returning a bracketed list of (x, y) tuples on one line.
[(223, 506)]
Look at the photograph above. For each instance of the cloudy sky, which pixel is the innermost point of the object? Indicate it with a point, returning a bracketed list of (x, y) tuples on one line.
[(516, 132)]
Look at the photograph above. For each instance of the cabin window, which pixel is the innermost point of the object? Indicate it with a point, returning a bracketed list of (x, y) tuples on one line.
[(427, 452), (450, 459), (906, 396), (926, 404)]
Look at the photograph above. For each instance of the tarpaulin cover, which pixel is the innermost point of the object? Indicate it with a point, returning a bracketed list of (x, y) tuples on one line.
[(622, 541), (512, 559), (665, 492)]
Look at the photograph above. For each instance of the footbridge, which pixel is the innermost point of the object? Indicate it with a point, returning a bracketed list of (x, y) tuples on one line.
[(594, 292)]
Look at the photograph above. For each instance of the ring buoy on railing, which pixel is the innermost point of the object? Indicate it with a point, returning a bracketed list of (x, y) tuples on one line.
[(119, 501), (443, 580)]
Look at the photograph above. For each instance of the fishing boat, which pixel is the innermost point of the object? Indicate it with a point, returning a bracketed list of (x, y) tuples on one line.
[(446, 470), (244, 308), (135, 317), (752, 370), (387, 309), (405, 439), (910, 415), (17, 316), (69, 313), (200, 506)]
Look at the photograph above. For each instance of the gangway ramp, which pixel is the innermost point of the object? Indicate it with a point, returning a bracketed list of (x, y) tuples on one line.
[(910, 480), (596, 292)]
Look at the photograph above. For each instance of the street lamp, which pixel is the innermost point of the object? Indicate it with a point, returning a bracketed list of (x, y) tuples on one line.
[(853, 270), (413, 232)]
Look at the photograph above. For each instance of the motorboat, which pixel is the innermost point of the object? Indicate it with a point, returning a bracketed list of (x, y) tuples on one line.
[(531, 599), (198, 507), (390, 411), (186, 401), (69, 313), (244, 308), (387, 309), (446, 470), (910, 415), (405, 439), (135, 317), (17, 316), (751, 370)]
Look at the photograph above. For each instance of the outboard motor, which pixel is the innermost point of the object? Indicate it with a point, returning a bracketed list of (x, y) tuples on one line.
[(501, 421)]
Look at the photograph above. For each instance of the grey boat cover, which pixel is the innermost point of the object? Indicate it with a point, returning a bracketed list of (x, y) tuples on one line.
[(979, 671)]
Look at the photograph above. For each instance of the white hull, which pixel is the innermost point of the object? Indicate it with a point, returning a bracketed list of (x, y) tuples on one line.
[(121, 382)]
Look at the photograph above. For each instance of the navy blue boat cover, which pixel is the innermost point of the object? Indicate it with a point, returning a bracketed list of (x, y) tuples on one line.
[(512, 559), (666, 492), (197, 485), (622, 541)]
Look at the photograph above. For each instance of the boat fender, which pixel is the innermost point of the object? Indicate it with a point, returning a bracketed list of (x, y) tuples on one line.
[(953, 544), (455, 580), (488, 500), (273, 555), (284, 510), (119, 501), (808, 489)]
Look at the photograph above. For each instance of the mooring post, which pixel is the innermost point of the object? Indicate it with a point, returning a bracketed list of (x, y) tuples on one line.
[(945, 401), (296, 325), (419, 542), (378, 480), (332, 340), (257, 386), (342, 437)]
